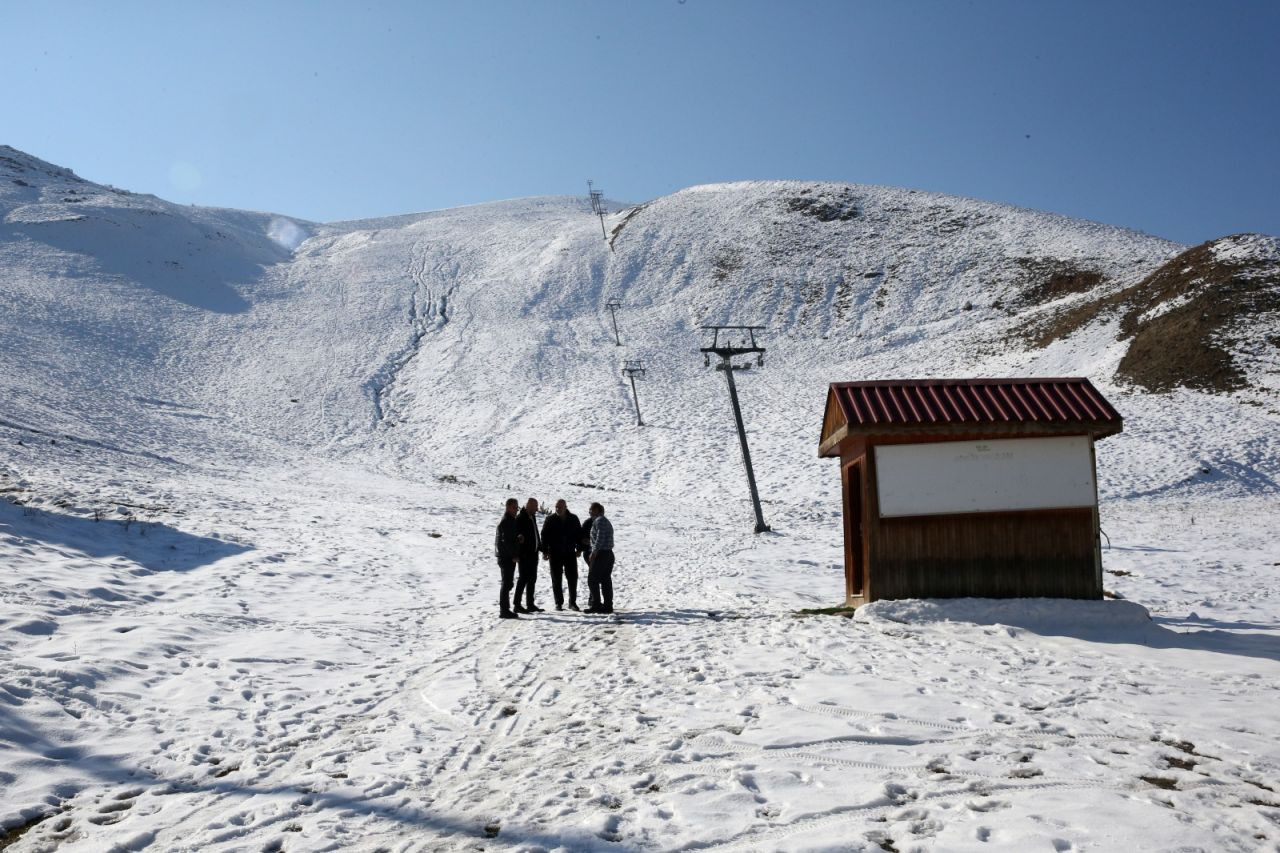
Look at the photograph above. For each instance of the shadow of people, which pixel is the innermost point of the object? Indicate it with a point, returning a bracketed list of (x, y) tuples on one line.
[(680, 616), (154, 546)]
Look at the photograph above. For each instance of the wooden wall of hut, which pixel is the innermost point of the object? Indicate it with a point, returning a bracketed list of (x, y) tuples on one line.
[(988, 555)]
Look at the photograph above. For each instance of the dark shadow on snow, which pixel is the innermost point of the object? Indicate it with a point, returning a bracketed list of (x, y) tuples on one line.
[(1218, 642), (681, 616), (643, 617), (1154, 635), (1197, 622), (1143, 549), (154, 546), (83, 442), (164, 253), (1224, 638)]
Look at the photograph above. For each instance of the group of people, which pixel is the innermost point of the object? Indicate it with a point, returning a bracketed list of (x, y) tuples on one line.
[(519, 545)]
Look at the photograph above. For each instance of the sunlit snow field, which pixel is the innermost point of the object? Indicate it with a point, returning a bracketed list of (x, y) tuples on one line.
[(249, 598)]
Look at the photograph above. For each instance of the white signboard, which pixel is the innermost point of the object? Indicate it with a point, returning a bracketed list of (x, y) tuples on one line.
[(985, 476)]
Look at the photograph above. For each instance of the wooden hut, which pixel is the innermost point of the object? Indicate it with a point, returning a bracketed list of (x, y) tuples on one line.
[(968, 487)]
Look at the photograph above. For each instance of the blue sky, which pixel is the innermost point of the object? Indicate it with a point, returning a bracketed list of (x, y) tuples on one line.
[(1161, 116)]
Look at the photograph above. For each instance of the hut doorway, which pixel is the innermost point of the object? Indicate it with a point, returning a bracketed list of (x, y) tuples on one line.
[(853, 533)]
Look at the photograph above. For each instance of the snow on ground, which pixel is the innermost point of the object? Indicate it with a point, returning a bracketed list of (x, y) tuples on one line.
[(249, 598), (309, 658)]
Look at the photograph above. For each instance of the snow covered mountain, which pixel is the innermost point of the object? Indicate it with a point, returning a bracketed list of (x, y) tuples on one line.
[(279, 399), (375, 337)]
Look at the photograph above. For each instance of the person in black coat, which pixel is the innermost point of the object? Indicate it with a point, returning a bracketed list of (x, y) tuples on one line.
[(527, 557), (506, 546), (561, 535)]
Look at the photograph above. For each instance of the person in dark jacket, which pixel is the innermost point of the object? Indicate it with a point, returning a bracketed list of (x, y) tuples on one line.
[(506, 546), (527, 557), (561, 533), (600, 567)]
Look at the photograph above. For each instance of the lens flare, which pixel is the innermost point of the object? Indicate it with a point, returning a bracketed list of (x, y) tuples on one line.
[(287, 233), (184, 176)]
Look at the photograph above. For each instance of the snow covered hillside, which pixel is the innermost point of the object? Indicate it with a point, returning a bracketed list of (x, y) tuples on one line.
[(253, 465)]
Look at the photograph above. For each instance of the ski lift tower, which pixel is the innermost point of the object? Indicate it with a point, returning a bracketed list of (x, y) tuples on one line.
[(597, 206), (634, 370), (730, 342), (613, 305)]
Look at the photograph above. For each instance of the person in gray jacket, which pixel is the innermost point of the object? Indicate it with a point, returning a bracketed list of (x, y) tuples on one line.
[(600, 573), (506, 547)]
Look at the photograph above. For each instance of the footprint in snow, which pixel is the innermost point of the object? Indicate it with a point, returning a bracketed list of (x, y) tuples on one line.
[(113, 811)]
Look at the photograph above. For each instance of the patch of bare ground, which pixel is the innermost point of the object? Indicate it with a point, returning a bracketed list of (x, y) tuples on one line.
[(12, 835), (617, 229), (1187, 314), (727, 262), (1161, 782), (1184, 319), (945, 221), (1041, 331), (826, 205), (1053, 279)]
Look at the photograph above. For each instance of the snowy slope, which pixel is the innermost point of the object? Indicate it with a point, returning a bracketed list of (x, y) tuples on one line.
[(297, 435), (106, 294)]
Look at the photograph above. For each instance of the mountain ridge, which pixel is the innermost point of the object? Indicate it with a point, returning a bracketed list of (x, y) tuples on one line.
[(444, 341)]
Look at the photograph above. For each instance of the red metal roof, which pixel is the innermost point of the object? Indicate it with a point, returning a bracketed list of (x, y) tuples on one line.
[(913, 403)]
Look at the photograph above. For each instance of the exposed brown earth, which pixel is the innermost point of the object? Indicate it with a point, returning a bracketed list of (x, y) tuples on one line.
[(617, 229), (1053, 279), (726, 263), (1215, 302)]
